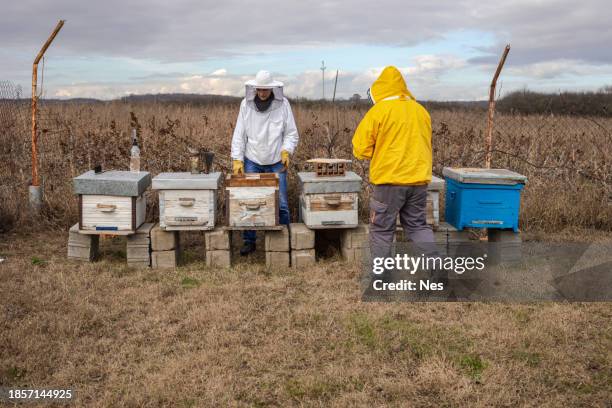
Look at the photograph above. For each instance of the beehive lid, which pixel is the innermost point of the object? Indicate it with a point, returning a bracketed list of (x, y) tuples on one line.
[(484, 176), (186, 181), (436, 184), (113, 182), (311, 184)]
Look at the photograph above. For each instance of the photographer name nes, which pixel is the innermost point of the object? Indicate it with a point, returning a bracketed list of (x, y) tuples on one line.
[(412, 264), (407, 285)]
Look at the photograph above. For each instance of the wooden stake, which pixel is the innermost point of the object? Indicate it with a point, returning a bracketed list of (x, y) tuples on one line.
[(58, 27), (489, 140)]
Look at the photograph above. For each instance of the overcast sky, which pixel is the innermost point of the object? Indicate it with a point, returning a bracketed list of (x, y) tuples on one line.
[(446, 49)]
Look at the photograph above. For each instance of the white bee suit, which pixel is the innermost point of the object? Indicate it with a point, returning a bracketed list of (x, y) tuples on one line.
[(261, 136)]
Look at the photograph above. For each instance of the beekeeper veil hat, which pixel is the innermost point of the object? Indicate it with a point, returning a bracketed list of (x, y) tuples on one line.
[(264, 80)]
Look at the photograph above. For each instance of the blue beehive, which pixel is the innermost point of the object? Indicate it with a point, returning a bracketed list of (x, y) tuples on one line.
[(483, 198)]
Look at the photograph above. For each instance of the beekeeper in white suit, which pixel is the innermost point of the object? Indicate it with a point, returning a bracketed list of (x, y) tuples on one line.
[(264, 138)]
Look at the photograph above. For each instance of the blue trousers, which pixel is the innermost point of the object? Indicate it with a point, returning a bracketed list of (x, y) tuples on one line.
[(283, 205)]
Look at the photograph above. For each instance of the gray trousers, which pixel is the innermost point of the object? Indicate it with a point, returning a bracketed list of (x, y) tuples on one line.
[(410, 202)]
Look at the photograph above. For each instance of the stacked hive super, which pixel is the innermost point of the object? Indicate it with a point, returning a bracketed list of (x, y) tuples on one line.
[(111, 203), (187, 202), (332, 202), (252, 204)]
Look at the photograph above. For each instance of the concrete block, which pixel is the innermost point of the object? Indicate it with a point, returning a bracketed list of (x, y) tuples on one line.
[(83, 253), (506, 245), (352, 254), (217, 239), (358, 237), (302, 257), (142, 234), (163, 240), (164, 259), (82, 247), (277, 260), (137, 253), (138, 247), (277, 241), (497, 235), (219, 258), (301, 236)]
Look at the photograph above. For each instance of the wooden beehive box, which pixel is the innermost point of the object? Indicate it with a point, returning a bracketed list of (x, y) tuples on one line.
[(187, 201), (111, 202), (252, 201), (330, 201)]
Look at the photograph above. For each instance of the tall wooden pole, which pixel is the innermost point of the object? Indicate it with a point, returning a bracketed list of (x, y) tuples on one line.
[(335, 85), (58, 27), (489, 140)]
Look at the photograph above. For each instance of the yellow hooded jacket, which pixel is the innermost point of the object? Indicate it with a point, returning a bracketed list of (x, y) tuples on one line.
[(395, 134)]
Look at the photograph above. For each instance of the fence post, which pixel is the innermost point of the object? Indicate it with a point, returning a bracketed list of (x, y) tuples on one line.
[(489, 140), (35, 189)]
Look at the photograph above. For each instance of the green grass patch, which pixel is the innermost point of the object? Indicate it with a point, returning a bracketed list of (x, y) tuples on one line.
[(190, 283), (38, 261), (473, 366)]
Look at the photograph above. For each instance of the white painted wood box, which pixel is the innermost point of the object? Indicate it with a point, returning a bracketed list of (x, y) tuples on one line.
[(187, 201), (252, 201), (433, 200), (329, 202), (111, 202)]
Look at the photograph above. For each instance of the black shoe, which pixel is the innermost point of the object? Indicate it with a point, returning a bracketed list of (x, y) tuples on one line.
[(247, 248)]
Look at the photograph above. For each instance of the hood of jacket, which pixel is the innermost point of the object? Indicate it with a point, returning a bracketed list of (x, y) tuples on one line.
[(390, 85), (251, 91)]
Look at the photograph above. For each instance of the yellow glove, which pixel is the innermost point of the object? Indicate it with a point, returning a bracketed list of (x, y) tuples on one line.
[(237, 167), (285, 159)]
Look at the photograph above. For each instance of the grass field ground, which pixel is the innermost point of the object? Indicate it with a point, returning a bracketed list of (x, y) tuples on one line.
[(194, 336)]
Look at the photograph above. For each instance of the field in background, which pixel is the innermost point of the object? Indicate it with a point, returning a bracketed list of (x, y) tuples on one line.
[(568, 159)]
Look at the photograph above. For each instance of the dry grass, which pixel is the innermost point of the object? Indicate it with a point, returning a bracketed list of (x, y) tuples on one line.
[(245, 337), (567, 159)]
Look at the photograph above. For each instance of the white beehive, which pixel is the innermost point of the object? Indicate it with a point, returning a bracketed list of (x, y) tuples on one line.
[(252, 201), (187, 201), (433, 200), (111, 202), (329, 202)]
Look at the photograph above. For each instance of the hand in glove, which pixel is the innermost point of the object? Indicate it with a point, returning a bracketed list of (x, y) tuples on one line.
[(285, 159), (237, 167)]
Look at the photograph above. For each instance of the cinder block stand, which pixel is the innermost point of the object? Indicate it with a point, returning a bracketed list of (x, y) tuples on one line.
[(353, 242), (86, 247), (302, 241), (82, 247), (277, 248), (165, 248), (507, 246), (218, 247), (139, 246)]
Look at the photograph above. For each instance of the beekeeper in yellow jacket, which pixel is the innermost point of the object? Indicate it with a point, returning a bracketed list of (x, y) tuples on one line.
[(395, 135)]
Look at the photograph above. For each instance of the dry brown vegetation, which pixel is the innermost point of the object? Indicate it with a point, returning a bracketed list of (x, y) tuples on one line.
[(196, 337), (567, 159)]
